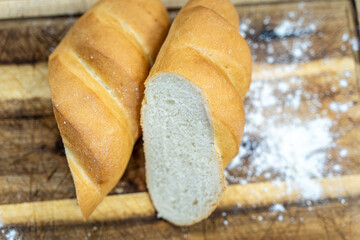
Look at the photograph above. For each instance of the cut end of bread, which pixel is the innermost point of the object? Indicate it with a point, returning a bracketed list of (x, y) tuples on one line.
[(183, 170)]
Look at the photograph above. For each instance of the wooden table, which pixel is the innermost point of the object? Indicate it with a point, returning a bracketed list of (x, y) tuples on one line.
[(315, 41)]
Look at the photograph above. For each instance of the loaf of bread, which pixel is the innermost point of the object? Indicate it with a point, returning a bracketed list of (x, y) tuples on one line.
[(97, 76), (192, 112)]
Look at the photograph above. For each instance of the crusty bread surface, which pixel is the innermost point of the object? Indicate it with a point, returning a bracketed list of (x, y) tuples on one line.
[(192, 113), (96, 77)]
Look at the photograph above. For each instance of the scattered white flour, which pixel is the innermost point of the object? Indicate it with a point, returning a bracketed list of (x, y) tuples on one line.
[(270, 59), (292, 149), (284, 28), (343, 152), (340, 107), (289, 27), (11, 234), (343, 83), (297, 52), (283, 87), (337, 168), (291, 14), (299, 48), (277, 143), (244, 26), (345, 37), (266, 20), (296, 152), (312, 27), (354, 44), (277, 208), (347, 74)]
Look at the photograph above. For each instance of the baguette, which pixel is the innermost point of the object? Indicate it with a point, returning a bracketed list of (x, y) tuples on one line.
[(96, 77), (192, 112)]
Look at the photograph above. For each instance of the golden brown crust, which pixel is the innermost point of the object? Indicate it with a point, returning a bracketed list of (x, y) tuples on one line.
[(221, 7), (204, 46), (96, 78)]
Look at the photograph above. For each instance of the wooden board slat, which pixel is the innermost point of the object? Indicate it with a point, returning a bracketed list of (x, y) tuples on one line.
[(10, 9), (329, 220), (40, 8), (238, 216), (26, 93), (30, 40)]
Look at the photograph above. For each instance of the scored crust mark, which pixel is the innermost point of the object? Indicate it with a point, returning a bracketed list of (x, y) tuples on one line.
[(117, 108), (132, 33), (225, 46), (82, 181), (227, 65), (210, 59), (79, 168), (220, 7), (146, 32), (124, 29)]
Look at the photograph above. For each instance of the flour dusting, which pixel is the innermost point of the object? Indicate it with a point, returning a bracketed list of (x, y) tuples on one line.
[(11, 234), (277, 208), (296, 150), (291, 123)]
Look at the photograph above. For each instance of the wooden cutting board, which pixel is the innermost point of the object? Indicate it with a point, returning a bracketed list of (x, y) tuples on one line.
[(315, 41)]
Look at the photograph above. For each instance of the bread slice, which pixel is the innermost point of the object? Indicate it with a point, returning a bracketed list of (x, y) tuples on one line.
[(184, 177), (192, 112)]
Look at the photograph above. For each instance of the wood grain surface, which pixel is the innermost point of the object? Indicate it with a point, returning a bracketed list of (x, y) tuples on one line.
[(36, 189), (33, 39), (24, 8), (33, 165), (137, 216)]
